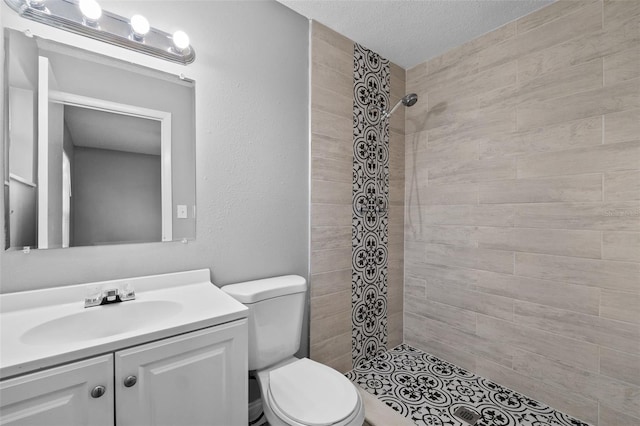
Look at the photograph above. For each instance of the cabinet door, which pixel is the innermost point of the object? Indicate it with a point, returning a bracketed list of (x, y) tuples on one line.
[(60, 396), (194, 379)]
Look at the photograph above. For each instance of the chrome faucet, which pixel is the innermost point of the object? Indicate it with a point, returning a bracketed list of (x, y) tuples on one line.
[(110, 295)]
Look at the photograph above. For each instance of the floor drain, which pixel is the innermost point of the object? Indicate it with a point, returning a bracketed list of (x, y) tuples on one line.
[(467, 415)]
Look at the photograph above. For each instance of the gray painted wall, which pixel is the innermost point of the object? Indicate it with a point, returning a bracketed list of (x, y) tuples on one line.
[(251, 77), (116, 197)]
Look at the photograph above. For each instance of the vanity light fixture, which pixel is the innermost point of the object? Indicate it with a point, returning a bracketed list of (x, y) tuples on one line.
[(86, 17)]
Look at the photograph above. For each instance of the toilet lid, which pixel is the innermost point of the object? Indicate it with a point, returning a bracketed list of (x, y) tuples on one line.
[(312, 393)]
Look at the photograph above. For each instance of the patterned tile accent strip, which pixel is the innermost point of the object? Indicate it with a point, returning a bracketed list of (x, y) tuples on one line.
[(428, 391), (370, 201)]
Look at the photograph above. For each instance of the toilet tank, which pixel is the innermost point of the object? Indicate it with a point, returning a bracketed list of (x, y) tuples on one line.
[(276, 309)]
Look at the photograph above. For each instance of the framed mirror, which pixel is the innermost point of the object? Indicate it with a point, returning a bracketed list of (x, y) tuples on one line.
[(97, 151)]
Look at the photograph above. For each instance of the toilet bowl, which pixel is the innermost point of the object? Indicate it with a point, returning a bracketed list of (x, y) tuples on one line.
[(302, 392), (294, 392)]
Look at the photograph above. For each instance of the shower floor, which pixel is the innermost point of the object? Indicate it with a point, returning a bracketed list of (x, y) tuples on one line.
[(428, 391)]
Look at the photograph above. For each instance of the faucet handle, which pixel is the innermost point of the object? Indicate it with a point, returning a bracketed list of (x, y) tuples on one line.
[(127, 292), (93, 298)]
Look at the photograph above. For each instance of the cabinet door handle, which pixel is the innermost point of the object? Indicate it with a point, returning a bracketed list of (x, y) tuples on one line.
[(98, 391), (130, 381)]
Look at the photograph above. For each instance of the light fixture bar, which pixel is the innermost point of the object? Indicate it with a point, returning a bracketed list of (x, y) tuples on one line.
[(109, 28)]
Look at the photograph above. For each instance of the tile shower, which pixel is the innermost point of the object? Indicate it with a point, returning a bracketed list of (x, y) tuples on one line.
[(513, 227)]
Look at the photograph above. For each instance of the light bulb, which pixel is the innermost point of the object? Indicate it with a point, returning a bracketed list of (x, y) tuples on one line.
[(180, 40), (91, 10), (139, 26)]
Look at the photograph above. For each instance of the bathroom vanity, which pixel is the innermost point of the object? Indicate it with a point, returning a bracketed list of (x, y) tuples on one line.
[(177, 354)]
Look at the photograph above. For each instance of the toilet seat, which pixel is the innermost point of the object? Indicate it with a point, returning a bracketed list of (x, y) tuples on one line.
[(307, 393)]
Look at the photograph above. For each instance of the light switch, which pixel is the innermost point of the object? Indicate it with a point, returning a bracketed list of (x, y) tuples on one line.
[(182, 211)]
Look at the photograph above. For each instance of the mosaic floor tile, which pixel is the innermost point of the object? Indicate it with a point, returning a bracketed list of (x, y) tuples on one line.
[(428, 391)]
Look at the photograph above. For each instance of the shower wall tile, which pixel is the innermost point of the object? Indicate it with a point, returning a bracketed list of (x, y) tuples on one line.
[(622, 126), (332, 98), (561, 242), (522, 208), (545, 190), (620, 306), (609, 416), (623, 246)]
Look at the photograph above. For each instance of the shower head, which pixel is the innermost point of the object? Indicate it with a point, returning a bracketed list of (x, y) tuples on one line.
[(407, 100)]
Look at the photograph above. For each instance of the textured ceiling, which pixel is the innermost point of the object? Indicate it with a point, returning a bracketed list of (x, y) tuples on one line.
[(408, 32)]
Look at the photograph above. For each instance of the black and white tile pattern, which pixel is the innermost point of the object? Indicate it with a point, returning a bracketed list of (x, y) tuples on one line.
[(370, 192), (428, 390)]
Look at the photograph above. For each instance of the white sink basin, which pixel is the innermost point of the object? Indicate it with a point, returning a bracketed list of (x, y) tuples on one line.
[(44, 328), (100, 321)]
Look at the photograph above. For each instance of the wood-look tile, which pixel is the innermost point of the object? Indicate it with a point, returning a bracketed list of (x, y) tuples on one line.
[(327, 100), (622, 186), (475, 83), (447, 194), (415, 287), (469, 257), (590, 46), (327, 192), (578, 353), (608, 333), (394, 329), (452, 149), (483, 215), (331, 125), (330, 282), (583, 21), (614, 98), (332, 348), (464, 236), (427, 343), (479, 121), (549, 13), (619, 395), (324, 328), (560, 242), (572, 403), (342, 364), (330, 260), (604, 158), (621, 366), (622, 126), (473, 171), (427, 328), (580, 78), (416, 73), (330, 305), (462, 68), (622, 66), (609, 416), (462, 319), (623, 246), (572, 297), (328, 169), (331, 148), (327, 77), (325, 54), (611, 216), (326, 34), (621, 306), (616, 12), (557, 137), (331, 214), (330, 237), (610, 274), (472, 301), (542, 190)]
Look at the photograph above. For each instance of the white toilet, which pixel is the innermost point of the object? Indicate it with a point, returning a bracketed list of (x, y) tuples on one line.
[(295, 392)]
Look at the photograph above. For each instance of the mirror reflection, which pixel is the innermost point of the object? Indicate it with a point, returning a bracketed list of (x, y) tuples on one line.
[(99, 151)]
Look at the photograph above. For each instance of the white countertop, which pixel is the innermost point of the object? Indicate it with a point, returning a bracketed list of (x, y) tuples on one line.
[(196, 303)]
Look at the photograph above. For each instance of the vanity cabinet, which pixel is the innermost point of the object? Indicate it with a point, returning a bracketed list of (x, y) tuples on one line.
[(60, 395), (195, 378)]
